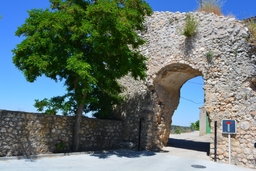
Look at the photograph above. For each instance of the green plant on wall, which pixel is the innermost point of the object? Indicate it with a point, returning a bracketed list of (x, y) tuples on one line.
[(251, 24), (60, 145), (209, 56), (245, 96), (191, 25), (235, 53)]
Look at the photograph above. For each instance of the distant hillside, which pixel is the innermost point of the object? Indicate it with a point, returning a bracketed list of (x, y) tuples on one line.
[(175, 129)]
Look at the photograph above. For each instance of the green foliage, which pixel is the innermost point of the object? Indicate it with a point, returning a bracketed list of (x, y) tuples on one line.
[(209, 56), (246, 96), (191, 25), (251, 24), (177, 130), (235, 53), (103, 103), (195, 126), (60, 145), (65, 104), (89, 45)]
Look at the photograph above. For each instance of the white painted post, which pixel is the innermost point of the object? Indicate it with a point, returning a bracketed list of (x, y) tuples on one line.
[(229, 145), (229, 149)]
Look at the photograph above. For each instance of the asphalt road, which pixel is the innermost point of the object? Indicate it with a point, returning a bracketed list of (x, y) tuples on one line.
[(179, 155), (189, 145), (118, 160)]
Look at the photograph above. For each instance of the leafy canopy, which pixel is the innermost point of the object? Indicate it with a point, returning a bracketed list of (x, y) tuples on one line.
[(88, 44), (195, 125)]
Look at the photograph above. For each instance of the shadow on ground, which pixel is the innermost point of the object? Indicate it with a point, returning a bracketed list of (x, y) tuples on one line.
[(189, 145), (122, 153)]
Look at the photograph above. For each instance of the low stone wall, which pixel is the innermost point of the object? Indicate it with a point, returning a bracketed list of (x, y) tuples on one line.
[(24, 133)]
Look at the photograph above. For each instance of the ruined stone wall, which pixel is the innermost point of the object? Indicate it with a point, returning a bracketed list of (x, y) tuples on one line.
[(24, 133), (140, 105), (229, 80)]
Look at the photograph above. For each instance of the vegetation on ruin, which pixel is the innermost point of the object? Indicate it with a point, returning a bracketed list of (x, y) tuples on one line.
[(191, 25), (211, 6), (251, 24), (209, 56)]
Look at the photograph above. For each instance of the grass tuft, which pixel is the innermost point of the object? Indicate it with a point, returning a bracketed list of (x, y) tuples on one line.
[(209, 57), (251, 24), (191, 25), (211, 6)]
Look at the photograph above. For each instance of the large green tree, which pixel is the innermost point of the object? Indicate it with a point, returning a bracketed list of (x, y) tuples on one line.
[(88, 44)]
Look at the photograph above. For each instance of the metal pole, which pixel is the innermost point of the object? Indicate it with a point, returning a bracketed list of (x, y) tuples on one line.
[(215, 140), (229, 149), (229, 144), (139, 134)]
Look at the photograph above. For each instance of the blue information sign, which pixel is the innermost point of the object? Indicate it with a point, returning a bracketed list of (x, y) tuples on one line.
[(229, 126)]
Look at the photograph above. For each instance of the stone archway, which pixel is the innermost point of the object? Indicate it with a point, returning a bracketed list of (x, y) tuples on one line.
[(168, 83), (229, 82)]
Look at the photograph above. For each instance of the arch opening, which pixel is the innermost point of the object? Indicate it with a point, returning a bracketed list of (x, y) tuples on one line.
[(185, 139), (191, 102), (168, 83)]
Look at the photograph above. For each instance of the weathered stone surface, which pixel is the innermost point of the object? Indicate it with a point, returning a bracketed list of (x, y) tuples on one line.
[(38, 133), (229, 80)]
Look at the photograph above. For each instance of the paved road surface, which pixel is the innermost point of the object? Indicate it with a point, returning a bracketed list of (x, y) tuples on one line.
[(125, 160), (189, 145), (119, 160)]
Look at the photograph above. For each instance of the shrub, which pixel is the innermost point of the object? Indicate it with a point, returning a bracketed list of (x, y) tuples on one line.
[(252, 28), (60, 145), (188, 130), (209, 6), (209, 57), (177, 131), (195, 126), (191, 24)]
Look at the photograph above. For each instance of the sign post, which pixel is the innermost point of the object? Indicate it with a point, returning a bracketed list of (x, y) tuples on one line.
[(229, 143), (229, 127)]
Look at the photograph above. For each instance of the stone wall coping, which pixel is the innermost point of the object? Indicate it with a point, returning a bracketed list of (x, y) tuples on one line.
[(49, 115)]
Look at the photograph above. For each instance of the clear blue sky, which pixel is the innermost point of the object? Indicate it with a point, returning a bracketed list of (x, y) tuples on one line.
[(18, 94)]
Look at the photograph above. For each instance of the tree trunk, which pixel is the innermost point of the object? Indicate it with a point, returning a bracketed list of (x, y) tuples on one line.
[(78, 119)]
